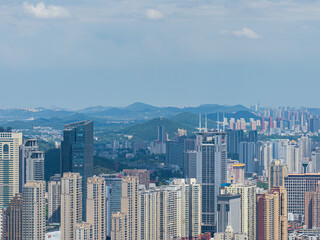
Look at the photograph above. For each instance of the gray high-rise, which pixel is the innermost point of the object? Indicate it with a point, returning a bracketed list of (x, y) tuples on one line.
[(77, 152), (211, 148)]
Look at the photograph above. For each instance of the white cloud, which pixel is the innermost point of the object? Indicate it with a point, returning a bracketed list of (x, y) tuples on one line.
[(154, 14), (42, 11), (244, 32)]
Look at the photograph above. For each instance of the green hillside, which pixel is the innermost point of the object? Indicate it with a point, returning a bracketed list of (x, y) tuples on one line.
[(148, 131)]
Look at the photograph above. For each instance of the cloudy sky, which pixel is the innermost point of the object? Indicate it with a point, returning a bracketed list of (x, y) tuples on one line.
[(79, 53)]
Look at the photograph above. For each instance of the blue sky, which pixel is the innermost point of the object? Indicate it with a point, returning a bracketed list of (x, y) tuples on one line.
[(79, 53)]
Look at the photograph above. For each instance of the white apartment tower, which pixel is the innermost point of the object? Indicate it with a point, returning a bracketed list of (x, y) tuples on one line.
[(71, 204), (96, 206), (34, 210)]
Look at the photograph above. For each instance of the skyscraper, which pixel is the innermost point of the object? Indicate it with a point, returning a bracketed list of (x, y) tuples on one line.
[(35, 166), (14, 218), (247, 155), (9, 166), (54, 199), (71, 204), (34, 211), (211, 150), (77, 152), (96, 206), (312, 209)]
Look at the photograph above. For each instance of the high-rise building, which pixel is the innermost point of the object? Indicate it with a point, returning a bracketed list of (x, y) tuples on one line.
[(113, 197), (238, 173), (35, 166), (234, 139), (162, 135), (264, 155), (312, 209), (54, 199), (247, 155), (174, 152), (71, 204), (272, 220), (248, 206), (34, 211), (190, 164), (211, 150), (277, 173), (14, 218), (9, 166), (229, 212), (117, 226), (84, 231), (96, 206), (297, 185), (142, 174), (26, 149), (77, 152)]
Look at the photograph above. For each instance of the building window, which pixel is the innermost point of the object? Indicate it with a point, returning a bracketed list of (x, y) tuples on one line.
[(5, 149)]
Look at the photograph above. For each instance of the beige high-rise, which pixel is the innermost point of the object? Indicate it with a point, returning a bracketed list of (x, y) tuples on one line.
[(277, 173), (71, 204), (34, 211), (9, 166), (84, 231), (96, 206)]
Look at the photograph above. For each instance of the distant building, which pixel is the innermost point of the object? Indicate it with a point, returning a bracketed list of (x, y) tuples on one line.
[(174, 152), (142, 174), (35, 166), (190, 164), (277, 173), (312, 209), (162, 135), (9, 166), (230, 235), (238, 174), (247, 155), (71, 207), (229, 212), (34, 211), (54, 199), (14, 218)]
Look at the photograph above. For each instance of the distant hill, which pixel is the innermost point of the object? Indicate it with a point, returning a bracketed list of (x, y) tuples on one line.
[(148, 131), (192, 120)]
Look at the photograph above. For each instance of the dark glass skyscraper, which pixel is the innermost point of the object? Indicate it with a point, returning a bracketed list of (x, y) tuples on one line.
[(77, 152)]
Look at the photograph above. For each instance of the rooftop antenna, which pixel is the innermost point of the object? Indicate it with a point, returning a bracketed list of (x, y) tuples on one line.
[(218, 127), (206, 123), (199, 122), (223, 123)]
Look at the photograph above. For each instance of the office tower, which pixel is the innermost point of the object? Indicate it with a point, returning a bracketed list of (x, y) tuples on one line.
[(9, 166), (34, 211), (229, 212), (190, 164), (247, 155), (315, 158), (277, 173), (248, 206), (84, 231), (314, 124), (162, 135), (238, 173), (71, 204), (272, 220), (96, 206), (14, 218), (54, 199), (312, 209), (297, 185), (142, 174), (294, 158), (229, 234), (253, 136), (211, 173), (234, 138), (189, 144), (35, 166), (174, 152), (77, 152)]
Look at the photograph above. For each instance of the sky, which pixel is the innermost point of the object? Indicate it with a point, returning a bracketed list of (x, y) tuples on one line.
[(80, 53)]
